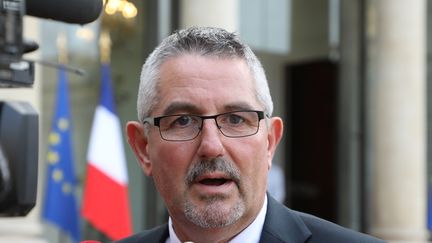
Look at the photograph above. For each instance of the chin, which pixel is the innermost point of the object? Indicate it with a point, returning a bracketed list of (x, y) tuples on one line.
[(214, 213)]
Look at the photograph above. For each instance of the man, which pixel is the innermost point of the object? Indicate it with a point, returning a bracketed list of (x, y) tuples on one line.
[(206, 136)]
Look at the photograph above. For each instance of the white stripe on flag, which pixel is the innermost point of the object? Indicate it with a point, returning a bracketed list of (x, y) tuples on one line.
[(106, 151)]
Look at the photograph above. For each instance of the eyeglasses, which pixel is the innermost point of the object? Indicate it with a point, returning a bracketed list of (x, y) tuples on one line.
[(184, 127)]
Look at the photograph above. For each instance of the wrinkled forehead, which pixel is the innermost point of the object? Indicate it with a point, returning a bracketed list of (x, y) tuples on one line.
[(197, 81)]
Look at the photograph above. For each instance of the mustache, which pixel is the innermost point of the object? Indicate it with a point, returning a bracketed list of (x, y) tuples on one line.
[(212, 165)]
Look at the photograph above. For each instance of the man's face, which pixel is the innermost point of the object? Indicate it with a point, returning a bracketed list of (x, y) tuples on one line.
[(212, 180)]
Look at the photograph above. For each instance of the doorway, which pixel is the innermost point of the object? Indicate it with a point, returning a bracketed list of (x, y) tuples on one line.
[(312, 131)]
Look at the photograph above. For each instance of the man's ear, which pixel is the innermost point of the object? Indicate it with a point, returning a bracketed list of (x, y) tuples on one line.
[(275, 132), (139, 144)]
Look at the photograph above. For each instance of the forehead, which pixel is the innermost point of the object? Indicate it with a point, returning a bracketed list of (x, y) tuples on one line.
[(206, 83)]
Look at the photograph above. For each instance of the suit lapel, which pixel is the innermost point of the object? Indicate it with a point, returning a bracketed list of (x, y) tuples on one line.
[(159, 234), (282, 225)]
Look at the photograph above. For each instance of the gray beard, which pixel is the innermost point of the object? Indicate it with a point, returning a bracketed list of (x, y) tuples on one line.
[(213, 215)]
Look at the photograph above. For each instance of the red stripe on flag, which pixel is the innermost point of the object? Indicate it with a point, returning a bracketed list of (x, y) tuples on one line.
[(106, 204)]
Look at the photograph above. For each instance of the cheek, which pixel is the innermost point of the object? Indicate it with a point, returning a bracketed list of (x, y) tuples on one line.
[(170, 162), (253, 161)]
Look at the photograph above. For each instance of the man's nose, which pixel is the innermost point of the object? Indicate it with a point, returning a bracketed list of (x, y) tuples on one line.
[(211, 145)]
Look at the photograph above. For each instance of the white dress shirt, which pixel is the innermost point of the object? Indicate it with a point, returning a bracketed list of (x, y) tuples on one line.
[(250, 234)]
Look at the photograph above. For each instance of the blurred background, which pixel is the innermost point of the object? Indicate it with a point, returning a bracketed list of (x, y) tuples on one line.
[(350, 78)]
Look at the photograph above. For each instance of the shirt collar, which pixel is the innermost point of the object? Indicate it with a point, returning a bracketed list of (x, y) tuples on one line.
[(172, 238), (252, 233)]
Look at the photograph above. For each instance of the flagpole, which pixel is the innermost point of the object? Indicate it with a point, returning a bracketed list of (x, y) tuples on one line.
[(62, 48), (105, 57), (105, 46), (63, 60)]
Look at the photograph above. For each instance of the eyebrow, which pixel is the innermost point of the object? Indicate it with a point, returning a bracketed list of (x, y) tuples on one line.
[(238, 106), (176, 107), (185, 107)]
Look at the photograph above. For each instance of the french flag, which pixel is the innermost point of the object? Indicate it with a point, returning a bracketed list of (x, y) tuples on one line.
[(105, 202)]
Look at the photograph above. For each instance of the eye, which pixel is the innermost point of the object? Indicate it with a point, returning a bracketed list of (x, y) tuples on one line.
[(182, 121), (178, 122), (234, 119)]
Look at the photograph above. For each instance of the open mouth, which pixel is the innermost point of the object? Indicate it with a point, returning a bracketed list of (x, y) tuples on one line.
[(214, 181)]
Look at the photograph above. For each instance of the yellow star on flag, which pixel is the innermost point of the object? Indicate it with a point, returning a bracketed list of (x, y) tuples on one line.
[(57, 175), (54, 138), (63, 124), (52, 157)]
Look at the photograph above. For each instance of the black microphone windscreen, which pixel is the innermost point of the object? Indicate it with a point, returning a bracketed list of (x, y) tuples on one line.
[(69, 11)]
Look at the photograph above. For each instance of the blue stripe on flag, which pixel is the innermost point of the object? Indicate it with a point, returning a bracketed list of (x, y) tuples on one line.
[(106, 99)]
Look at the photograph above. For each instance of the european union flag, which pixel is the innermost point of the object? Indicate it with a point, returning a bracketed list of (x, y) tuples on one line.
[(60, 207)]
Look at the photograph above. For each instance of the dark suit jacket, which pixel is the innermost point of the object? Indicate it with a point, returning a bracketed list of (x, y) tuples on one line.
[(281, 225)]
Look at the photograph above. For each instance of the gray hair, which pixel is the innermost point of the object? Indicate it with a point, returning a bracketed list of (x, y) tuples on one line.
[(205, 41)]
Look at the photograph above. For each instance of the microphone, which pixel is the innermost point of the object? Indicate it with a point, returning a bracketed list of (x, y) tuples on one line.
[(69, 11)]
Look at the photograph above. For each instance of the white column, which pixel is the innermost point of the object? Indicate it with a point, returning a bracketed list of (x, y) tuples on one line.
[(220, 13), (396, 119)]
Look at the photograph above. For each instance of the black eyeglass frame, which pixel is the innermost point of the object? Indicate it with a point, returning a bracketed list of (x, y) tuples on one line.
[(155, 121)]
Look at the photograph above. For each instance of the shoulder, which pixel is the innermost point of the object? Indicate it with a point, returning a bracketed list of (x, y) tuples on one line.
[(283, 223), (323, 229), (158, 234)]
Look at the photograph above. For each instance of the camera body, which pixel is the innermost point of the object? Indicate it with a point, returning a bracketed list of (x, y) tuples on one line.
[(18, 158), (14, 71), (18, 120)]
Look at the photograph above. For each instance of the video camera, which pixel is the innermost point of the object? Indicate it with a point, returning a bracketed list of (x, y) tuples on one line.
[(18, 120)]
